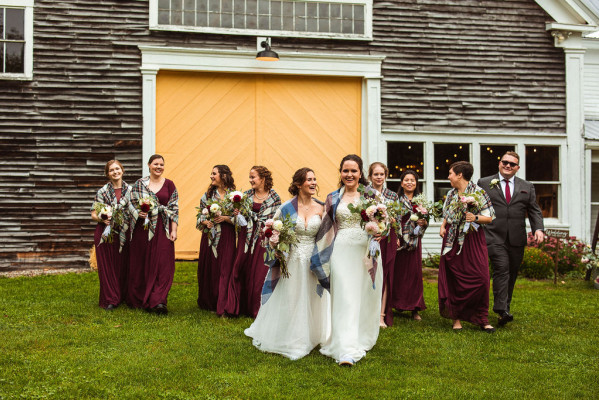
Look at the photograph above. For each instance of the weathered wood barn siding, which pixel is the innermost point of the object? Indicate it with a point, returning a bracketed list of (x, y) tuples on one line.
[(451, 65)]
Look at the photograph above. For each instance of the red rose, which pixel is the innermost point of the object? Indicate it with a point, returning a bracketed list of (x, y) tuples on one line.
[(144, 207), (415, 208), (364, 216), (268, 233), (236, 198)]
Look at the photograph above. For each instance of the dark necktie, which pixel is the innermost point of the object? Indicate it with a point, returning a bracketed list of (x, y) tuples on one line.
[(508, 195)]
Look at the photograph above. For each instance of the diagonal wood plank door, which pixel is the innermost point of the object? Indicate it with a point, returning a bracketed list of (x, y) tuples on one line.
[(282, 122)]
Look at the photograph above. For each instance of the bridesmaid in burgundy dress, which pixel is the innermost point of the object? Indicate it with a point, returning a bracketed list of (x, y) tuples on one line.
[(378, 174), (112, 254), (407, 283), (464, 266), (215, 262), (249, 270), (152, 249)]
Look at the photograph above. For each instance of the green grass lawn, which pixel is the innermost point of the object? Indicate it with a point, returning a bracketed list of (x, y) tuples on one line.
[(57, 343)]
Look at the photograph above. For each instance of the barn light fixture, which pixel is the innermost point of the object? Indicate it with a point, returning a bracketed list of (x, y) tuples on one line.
[(267, 54)]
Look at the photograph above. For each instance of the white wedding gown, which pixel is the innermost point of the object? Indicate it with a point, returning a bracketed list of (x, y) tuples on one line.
[(355, 305), (295, 319)]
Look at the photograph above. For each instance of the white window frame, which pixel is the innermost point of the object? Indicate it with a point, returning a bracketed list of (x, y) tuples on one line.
[(153, 24), (475, 140), (27, 5)]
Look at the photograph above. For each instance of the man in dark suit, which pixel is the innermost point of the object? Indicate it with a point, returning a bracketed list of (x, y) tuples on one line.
[(513, 198)]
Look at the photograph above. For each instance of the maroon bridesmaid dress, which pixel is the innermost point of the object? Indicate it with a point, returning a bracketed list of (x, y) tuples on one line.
[(214, 273), (112, 266), (152, 263), (464, 280), (388, 252), (407, 279), (233, 299), (250, 272)]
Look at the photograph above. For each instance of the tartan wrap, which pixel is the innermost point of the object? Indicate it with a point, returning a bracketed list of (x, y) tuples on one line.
[(107, 196), (169, 213), (217, 227), (456, 229), (256, 220)]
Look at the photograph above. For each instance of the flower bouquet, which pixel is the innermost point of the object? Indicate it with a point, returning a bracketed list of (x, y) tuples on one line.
[(146, 204), (237, 200), (105, 212), (279, 238), (213, 209), (424, 208), (396, 210), (470, 203)]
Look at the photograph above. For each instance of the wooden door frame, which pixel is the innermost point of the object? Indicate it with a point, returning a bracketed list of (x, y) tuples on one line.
[(155, 58)]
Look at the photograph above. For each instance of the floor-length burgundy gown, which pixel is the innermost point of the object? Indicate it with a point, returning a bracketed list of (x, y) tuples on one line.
[(214, 273), (112, 265), (464, 280), (152, 263), (233, 300), (407, 278)]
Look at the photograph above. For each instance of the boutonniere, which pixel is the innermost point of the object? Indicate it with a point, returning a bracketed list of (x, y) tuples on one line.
[(494, 183)]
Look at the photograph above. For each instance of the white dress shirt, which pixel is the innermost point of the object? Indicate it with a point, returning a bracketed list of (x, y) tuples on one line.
[(509, 182)]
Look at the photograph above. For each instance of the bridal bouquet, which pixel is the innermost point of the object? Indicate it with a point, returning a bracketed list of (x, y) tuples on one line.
[(237, 200), (374, 218), (279, 238), (114, 213), (396, 210), (146, 204)]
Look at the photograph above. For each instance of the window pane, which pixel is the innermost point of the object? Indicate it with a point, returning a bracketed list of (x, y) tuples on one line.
[(542, 163), (405, 155), (448, 153), (2, 57), (547, 199), (441, 190), (489, 158), (595, 182), (15, 24), (1, 23), (14, 57)]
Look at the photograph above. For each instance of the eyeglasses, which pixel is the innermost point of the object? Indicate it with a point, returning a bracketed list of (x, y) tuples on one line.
[(511, 164)]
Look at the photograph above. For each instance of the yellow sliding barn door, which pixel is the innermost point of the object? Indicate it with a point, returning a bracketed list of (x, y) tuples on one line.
[(281, 122)]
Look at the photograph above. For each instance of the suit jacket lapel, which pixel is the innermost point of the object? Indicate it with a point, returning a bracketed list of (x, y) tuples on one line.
[(517, 187), (501, 195)]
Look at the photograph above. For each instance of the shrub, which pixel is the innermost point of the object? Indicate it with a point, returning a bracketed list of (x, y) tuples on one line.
[(570, 254), (431, 261), (536, 264)]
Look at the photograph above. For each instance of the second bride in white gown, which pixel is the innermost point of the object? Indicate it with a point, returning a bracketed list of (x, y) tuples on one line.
[(294, 319)]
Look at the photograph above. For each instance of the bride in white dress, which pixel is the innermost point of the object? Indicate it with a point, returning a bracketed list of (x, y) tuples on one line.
[(294, 319), (355, 303)]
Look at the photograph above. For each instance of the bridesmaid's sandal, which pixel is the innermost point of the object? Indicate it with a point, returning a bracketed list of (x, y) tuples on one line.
[(488, 328), (382, 324), (416, 316)]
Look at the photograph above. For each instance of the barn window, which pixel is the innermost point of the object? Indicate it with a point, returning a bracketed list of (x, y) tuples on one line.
[(342, 19), (16, 39)]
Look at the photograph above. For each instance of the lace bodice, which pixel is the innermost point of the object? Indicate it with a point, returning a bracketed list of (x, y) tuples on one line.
[(349, 224), (305, 236)]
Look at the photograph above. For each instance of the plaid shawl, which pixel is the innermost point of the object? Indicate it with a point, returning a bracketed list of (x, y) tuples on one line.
[(107, 196), (408, 234), (256, 220), (217, 227), (458, 220), (169, 213), (320, 262), (389, 195)]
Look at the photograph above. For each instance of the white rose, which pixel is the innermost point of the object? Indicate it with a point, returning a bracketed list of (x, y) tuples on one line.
[(214, 208), (277, 225), (414, 217)]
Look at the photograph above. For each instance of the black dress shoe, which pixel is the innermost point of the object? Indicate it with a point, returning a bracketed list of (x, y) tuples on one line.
[(504, 318), (161, 309)]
